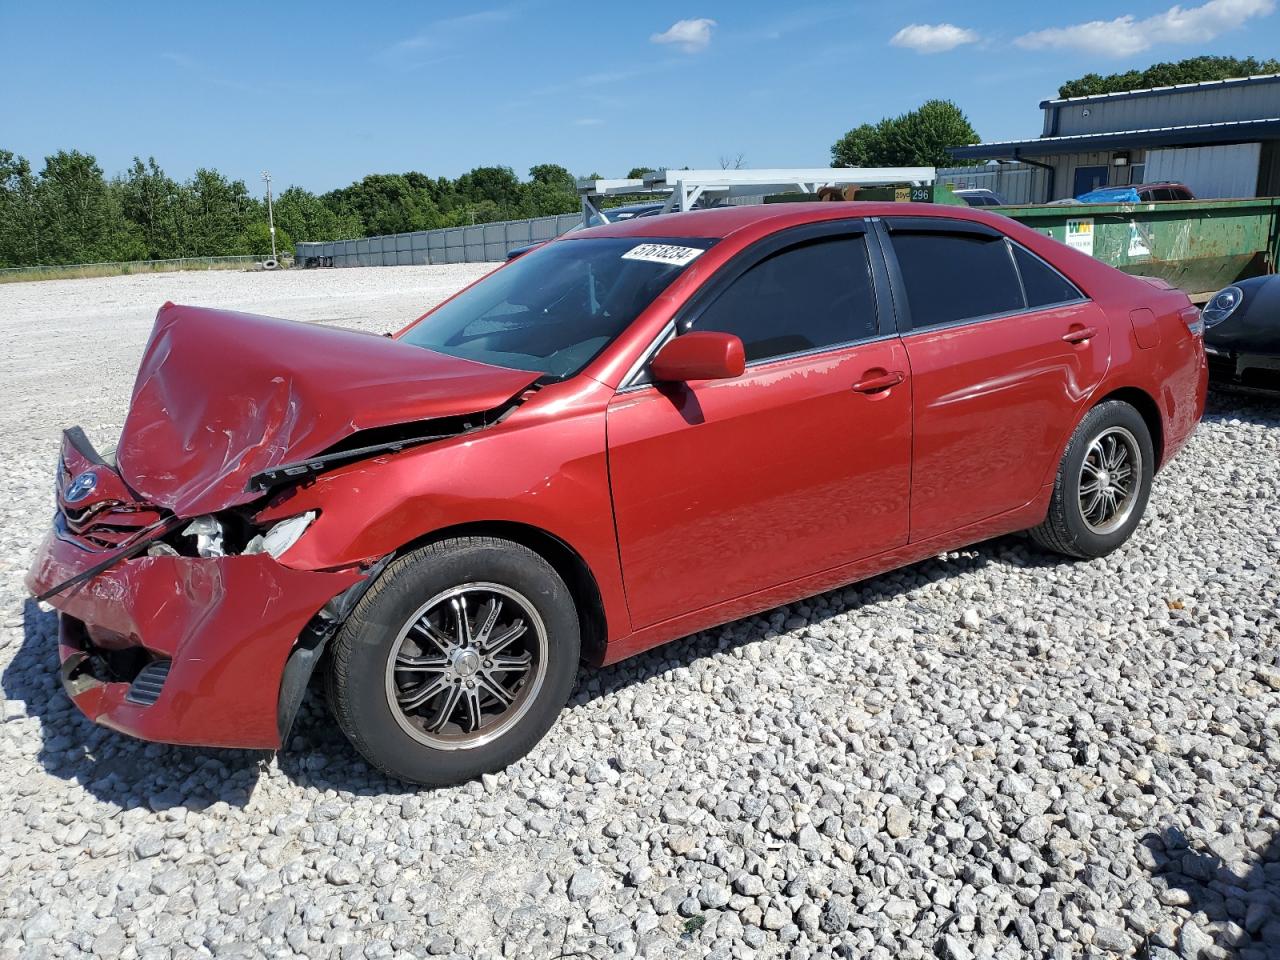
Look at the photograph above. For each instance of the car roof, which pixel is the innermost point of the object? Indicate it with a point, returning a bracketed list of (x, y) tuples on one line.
[(721, 222)]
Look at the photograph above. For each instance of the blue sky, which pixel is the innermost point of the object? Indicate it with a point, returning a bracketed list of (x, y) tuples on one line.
[(322, 94)]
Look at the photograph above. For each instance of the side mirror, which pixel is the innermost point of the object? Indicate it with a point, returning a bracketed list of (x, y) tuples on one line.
[(700, 355)]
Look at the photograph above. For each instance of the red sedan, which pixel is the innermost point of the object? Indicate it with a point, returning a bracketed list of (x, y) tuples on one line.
[(623, 437)]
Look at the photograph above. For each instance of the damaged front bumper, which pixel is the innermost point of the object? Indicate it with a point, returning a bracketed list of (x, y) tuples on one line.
[(177, 649)]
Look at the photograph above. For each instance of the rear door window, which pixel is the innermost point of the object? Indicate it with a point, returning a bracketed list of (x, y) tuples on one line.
[(1043, 285), (805, 297), (952, 277)]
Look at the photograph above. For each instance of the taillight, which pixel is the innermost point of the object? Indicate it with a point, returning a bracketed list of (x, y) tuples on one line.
[(1191, 317)]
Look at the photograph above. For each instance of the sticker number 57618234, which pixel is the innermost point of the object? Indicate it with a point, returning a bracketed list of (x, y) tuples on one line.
[(668, 253)]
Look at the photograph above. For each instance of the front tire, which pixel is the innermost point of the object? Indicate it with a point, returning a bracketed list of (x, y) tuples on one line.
[(456, 662), (1102, 486)]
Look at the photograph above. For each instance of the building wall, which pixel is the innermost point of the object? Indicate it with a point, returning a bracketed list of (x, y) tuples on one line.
[(1225, 170), (1014, 182), (1065, 166), (1254, 101)]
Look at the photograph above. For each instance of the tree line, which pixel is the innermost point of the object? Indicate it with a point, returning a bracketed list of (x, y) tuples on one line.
[(1166, 74), (70, 212)]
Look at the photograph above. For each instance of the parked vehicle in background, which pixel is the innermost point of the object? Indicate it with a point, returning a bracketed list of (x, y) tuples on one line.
[(1139, 193), (630, 434), (611, 215), (980, 197), (1242, 333), (621, 214)]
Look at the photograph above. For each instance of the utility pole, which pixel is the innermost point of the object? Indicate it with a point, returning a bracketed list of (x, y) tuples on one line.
[(271, 220)]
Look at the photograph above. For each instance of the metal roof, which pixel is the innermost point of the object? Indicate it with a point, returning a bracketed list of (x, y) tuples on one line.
[(1200, 133), (1157, 91)]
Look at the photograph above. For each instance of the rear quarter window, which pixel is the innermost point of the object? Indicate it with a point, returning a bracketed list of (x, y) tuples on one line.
[(1043, 285)]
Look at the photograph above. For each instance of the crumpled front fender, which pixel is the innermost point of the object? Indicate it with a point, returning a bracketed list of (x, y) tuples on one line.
[(227, 624)]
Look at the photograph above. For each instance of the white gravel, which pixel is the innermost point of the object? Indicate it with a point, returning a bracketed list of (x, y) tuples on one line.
[(990, 754)]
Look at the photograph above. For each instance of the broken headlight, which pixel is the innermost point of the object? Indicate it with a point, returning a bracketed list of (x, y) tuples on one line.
[(282, 535), (209, 537)]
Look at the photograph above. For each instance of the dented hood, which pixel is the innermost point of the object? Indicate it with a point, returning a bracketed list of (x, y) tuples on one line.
[(221, 396)]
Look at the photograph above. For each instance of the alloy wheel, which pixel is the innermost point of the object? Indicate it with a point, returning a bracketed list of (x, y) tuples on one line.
[(1110, 479), (466, 666)]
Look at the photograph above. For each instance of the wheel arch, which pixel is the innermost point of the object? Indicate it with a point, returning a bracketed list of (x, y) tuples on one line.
[(564, 559), (1147, 408)]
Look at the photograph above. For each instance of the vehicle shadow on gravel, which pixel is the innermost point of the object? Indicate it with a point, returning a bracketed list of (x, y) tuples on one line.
[(1012, 550), (111, 766), (118, 769), (1234, 902)]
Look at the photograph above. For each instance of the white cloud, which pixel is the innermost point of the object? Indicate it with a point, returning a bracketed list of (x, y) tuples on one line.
[(1127, 35), (689, 35), (933, 37), (444, 32)]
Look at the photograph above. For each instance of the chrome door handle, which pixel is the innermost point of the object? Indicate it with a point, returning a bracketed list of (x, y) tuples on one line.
[(880, 382), (1080, 335)]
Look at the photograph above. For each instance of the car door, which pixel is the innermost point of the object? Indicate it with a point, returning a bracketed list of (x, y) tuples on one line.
[(723, 488), (1003, 351)]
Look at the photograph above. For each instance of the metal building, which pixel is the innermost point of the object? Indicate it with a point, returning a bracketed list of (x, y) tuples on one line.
[(1221, 138)]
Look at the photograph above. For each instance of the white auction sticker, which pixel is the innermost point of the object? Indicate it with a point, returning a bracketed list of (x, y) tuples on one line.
[(663, 253)]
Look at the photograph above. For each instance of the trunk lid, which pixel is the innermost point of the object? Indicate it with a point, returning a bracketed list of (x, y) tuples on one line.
[(221, 396)]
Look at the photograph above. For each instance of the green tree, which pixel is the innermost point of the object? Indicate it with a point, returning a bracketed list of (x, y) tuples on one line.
[(153, 203), (1168, 73), (637, 173), (80, 219), (919, 137), (257, 239), (388, 203), (544, 199), (554, 175), (860, 147), (498, 185), (304, 216), (19, 212), (218, 211)]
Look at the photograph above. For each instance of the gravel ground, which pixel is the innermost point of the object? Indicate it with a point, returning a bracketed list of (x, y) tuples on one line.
[(989, 754)]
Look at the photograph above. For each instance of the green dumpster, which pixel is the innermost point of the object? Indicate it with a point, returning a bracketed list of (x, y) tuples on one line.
[(1198, 246)]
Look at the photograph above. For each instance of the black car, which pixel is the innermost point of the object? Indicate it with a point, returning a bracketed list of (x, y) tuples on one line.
[(1242, 333)]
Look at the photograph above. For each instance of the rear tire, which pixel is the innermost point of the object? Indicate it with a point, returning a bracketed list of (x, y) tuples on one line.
[(456, 662), (1102, 486)]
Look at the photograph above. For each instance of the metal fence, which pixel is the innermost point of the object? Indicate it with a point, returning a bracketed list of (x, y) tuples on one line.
[(476, 244), (1016, 183)]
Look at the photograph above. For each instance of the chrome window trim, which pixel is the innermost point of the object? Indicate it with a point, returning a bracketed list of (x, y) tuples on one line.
[(969, 321), (667, 333), (1010, 243)]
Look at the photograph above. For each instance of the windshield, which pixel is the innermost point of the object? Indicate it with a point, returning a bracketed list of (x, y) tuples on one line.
[(555, 308)]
